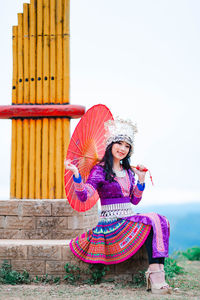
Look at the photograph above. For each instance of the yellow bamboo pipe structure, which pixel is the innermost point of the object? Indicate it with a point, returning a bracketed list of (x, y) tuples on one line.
[(40, 76)]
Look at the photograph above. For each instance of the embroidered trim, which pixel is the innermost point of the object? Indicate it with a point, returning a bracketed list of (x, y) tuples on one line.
[(79, 187), (108, 219), (118, 210), (124, 184), (90, 189), (131, 236), (137, 192), (159, 235)]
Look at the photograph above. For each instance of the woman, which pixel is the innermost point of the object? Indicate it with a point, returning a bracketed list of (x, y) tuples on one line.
[(120, 233)]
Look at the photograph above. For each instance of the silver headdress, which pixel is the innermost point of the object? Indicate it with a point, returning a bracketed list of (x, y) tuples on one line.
[(120, 130)]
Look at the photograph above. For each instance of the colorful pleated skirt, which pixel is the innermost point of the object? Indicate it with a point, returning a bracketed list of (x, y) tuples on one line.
[(110, 242)]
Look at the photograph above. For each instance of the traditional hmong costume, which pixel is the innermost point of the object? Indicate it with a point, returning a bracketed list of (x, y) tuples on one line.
[(119, 233)]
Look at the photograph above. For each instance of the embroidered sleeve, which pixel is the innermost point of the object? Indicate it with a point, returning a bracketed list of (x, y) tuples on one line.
[(86, 190), (137, 193)]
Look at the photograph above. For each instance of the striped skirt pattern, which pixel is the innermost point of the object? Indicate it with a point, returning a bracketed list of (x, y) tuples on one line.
[(110, 242)]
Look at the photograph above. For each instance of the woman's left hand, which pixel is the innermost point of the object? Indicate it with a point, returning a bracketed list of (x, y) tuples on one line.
[(140, 173)]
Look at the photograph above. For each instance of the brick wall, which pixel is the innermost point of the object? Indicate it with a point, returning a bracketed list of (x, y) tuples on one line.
[(43, 219)]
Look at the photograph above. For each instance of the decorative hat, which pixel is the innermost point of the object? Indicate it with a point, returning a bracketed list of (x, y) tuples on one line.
[(120, 130)]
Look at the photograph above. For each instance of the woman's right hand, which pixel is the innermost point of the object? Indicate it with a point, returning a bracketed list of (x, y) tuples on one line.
[(71, 167)]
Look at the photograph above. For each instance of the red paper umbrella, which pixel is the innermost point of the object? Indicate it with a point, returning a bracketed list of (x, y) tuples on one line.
[(86, 148)]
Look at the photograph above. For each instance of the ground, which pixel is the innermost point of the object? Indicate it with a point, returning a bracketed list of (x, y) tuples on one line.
[(186, 286)]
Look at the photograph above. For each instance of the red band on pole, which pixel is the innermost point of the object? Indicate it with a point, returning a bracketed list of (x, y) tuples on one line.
[(41, 111)]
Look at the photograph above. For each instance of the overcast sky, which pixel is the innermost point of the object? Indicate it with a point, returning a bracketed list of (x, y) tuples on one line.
[(142, 60)]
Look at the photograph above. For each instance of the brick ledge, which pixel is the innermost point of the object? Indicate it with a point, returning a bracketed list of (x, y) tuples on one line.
[(5, 242), (40, 257)]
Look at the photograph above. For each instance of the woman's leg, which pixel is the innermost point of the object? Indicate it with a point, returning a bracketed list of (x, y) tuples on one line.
[(148, 243), (156, 265)]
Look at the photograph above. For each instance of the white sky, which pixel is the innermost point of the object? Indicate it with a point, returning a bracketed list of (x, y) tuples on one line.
[(142, 60)]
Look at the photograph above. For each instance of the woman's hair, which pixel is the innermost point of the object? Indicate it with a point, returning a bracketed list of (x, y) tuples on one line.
[(107, 161)]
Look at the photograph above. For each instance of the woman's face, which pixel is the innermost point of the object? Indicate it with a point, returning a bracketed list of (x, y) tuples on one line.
[(120, 150)]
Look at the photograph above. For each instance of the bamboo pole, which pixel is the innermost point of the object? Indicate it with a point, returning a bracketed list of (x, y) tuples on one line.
[(26, 101), (66, 71), (46, 47), (66, 49), (59, 95), (33, 6), (52, 99), (20, 99), (39, 96), (26, 52), (32, 63), (15, 65), (59, 46), (14, 122), (19, 150), (39, 50), (45, 131)]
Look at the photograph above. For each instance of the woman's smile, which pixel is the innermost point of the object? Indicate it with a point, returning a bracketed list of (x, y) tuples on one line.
[(120, 150), (121, 153)]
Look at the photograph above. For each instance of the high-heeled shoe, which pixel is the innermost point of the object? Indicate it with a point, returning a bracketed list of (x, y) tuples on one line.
[(157, 288)]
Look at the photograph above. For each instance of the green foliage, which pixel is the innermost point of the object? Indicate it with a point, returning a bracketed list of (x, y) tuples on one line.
[(9, 276), (56, 280), (191, 253), (46, 279), (96, 272), (73, 273), (139, 279), (171, 268)]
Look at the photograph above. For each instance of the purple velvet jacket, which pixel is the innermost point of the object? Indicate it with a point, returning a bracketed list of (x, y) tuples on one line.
[(108, 190)]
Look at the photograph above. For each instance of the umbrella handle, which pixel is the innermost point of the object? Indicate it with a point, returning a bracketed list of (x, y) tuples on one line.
[(144, 170), (138, 168)]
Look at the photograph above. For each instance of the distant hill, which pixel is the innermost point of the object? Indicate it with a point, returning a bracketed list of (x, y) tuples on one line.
[(184, 223)]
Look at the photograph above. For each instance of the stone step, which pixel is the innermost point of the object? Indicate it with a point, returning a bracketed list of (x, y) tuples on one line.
[(43, 219), (40, 257)]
